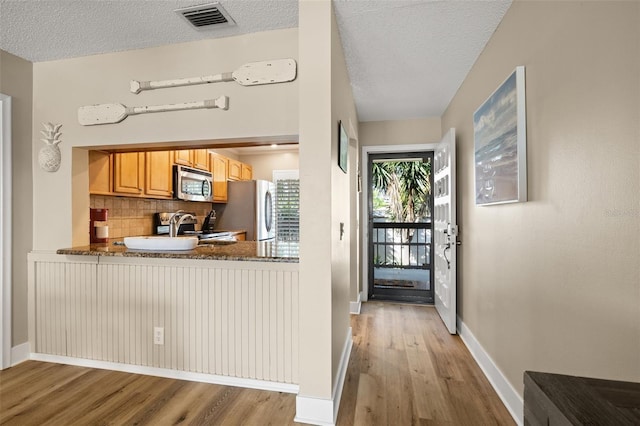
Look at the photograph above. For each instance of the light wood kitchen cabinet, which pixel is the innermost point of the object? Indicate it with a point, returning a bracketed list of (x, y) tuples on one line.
[(219, 169), (100, 173), (247, 172), (183, 157), (201, 159), (241, 236), (196, 158), (129, 173), (159, 174), (235, 170)]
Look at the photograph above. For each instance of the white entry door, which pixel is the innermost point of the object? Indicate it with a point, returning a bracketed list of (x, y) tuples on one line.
[(445, 229)]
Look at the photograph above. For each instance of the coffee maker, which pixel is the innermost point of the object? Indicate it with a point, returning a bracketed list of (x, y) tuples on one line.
[(209, 222), (98, 227)]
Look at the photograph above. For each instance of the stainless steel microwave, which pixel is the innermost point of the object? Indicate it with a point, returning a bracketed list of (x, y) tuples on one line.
[(192, 184)]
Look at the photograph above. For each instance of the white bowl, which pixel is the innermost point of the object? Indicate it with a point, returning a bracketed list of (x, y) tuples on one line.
[(161, 243)]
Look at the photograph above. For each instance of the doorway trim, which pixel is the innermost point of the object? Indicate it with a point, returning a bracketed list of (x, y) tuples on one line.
[(5, 231), (364, 220)]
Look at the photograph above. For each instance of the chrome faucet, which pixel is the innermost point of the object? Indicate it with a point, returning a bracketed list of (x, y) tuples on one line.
[(176, 220)]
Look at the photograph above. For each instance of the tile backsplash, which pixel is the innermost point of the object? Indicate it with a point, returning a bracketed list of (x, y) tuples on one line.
[(130, 216)]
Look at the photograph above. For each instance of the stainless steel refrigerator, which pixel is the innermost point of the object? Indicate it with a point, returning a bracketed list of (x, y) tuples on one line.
[(249, 207)]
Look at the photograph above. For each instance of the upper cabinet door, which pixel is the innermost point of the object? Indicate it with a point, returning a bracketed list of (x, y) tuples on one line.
[(129, 173), (100, 172), (219, 169), (183, 157), (159, 174), (235, 170), (247, 172), (201, 159)]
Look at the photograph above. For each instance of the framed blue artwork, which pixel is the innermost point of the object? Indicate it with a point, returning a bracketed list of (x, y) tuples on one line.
[(500, 138)]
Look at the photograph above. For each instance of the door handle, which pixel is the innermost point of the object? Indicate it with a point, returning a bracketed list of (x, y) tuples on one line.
[(444, 254)]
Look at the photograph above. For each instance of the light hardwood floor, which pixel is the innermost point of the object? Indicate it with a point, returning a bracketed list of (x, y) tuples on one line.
[(404, 369)]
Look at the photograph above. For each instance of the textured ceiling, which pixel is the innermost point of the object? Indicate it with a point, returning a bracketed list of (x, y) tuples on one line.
[(406, 59), (42, 30)]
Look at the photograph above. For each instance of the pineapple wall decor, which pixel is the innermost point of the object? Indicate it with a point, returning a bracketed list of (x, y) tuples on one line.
[(49, 155)]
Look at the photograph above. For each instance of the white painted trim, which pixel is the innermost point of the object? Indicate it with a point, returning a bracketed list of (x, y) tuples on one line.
[(342, 373), (314, 411), (20, 353), (366, 150), (5, 232), (507, 393), (321, 411), (170, 374), (354, 307)]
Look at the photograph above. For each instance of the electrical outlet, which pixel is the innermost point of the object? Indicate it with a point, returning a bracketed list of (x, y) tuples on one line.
[(158, 335)]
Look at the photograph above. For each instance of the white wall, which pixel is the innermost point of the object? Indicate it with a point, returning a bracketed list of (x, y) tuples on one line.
[(265, 163), (400, 132), (553, 284), (325, 262), (16, 81), (316, 129), (342, 191), (60, 87)]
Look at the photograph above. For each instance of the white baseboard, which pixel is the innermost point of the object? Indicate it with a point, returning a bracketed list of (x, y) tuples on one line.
[(321, 411), (170, 374), (314, 411), (20, 353), (507, 393), (354, 307)]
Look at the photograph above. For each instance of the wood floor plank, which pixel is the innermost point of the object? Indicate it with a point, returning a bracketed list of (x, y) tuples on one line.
[(149, 413), (369, 410), (399, 392), (57, 401), (41, 380), (431, 401), (446, 385), (404, 369), (124, 404), (270, 408), (220, 407)]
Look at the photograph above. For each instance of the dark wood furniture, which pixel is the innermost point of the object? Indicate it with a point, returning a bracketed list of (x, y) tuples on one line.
[(555, 399)]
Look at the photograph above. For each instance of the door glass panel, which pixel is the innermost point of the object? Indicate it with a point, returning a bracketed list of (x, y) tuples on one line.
[(400, 216)]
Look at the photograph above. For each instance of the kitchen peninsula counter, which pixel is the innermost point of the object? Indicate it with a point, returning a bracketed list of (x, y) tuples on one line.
[(219, 250), (228, 312)]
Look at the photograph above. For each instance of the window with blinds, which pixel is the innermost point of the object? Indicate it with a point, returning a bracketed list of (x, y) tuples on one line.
[(287, 206)]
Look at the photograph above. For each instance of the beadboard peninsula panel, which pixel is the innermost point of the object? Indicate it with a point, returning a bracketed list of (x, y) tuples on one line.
[(237, 319)]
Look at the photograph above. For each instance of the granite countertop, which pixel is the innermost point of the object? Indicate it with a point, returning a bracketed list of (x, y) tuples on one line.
[(216, 250)]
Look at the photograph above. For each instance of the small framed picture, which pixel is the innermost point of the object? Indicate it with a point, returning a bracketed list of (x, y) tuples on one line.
[(343, 147)]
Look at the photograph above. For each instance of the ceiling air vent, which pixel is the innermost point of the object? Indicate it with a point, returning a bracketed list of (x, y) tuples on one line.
[(206, 16)]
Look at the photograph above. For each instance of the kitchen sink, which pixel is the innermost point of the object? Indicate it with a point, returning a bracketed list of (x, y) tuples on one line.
[(161, 243)]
